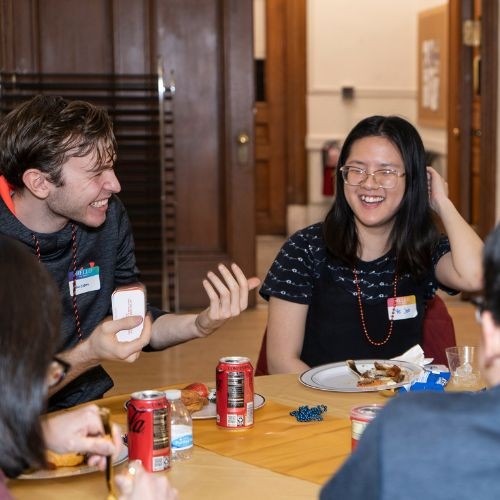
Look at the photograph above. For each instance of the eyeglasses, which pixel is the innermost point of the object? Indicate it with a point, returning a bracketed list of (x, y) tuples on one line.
[(57, 371), (385, 178)]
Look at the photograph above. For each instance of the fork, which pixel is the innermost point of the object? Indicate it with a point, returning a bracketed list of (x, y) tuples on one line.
[(105, 419)]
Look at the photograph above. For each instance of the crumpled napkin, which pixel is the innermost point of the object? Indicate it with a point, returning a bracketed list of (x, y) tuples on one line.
[(414, 355)]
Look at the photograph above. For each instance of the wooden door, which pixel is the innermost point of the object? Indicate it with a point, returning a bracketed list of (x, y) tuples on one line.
[(472, 118), (280, 124), (208, 46)]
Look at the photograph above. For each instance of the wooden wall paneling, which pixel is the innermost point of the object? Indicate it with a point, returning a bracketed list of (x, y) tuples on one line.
[(238, 118), (454, 132), (281, 174), (19, 35), (296, 116), (212, 226), (465, 103), (489, 129), (271, 190), (191, 41), (76, 36), (132, 51), (263, 197)]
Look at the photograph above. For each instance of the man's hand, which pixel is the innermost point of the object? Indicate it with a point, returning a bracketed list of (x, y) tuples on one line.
[(103, 344), (80, 431), (228, 297)]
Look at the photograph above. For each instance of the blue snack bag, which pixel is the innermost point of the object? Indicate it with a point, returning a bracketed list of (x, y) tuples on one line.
[(433, 378)]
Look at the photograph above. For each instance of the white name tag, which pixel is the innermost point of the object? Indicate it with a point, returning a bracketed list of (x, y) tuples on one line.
[(87, 280), (402, 307)]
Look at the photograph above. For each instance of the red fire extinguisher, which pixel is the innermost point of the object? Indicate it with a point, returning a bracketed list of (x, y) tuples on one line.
[(330, 155)]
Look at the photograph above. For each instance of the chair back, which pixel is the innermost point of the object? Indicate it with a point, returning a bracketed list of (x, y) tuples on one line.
[(438, 331)]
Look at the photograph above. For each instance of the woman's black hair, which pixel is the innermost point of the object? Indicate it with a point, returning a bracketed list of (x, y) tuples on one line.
[(414, 233), (29, 334)]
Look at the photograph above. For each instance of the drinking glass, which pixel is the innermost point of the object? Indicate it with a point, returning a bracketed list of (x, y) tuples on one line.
[(463, 362)]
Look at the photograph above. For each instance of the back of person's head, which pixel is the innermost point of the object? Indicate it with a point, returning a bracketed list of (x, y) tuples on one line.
[(45, 131), (414, 231), (29, 336), (491, 264)]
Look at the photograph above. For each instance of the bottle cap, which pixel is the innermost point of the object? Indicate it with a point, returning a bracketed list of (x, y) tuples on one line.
[(173, 394)]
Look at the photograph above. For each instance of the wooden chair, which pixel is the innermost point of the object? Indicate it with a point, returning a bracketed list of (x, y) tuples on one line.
[(438, 333)]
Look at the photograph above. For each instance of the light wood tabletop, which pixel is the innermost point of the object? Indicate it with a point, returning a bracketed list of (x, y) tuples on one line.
[(210, 474)]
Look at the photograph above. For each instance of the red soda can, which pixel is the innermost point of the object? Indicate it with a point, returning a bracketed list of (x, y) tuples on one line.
[(148, 415), (234, 382)]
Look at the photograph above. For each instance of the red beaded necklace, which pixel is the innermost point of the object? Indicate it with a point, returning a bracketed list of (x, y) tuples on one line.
[(73, 252), (362, 313)]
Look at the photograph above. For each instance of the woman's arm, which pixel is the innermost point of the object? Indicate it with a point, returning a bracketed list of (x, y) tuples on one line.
[(460, 269), (285, 336)]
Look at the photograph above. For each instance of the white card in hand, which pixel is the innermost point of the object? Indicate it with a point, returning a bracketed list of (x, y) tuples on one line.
[(126, 302)]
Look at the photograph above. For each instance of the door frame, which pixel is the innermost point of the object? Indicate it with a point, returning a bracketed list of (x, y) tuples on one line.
[(286, 88), (460, 113)]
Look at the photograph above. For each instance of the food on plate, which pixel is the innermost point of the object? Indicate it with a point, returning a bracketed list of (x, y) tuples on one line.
[(380, 374), (63, 459), (192, 400), (199, 387)]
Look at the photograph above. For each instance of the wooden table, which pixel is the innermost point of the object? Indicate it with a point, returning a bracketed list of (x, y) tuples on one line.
[(208, 474)]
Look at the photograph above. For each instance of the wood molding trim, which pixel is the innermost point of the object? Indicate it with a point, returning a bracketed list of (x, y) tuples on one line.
[(296, 115), (489, 91), (454, 124)]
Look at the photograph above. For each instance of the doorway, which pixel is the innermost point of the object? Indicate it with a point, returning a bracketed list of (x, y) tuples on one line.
[(280, 115)]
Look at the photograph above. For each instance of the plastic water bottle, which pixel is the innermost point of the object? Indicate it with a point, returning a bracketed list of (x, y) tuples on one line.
[(181, 425)]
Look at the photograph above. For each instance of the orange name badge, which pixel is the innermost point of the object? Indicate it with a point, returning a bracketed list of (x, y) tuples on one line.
[(402, 307), (129, 301)]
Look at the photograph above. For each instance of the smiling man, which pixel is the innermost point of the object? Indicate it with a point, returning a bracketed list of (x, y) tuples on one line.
[(58, 196)]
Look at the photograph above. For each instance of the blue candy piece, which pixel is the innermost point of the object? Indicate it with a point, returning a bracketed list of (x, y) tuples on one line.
[(306, 414)]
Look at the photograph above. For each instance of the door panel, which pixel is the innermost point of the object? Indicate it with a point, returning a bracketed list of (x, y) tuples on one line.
[(472, 128), (281, 176)]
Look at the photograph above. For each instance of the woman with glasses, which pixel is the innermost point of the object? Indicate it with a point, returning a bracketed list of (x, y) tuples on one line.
[(29, 337), (356, 285)]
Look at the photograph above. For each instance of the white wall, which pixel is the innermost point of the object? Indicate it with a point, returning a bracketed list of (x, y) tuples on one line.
[(259, 29), (370, 45)]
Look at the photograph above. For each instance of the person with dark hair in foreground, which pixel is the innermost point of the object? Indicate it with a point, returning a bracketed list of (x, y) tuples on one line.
[(436, 445), (29, 336), (356, 286), (58, 197)]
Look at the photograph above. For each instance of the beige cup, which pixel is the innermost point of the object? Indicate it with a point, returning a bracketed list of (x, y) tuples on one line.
[(463, 362)]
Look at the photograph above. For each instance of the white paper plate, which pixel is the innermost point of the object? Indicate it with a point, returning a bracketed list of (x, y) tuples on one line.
[(337, 377), (72, 471)]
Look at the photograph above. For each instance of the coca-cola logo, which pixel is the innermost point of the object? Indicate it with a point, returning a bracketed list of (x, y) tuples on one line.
[(135, 423)]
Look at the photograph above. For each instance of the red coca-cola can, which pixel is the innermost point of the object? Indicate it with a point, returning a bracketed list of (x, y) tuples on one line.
[(234, 382), (148, 414)]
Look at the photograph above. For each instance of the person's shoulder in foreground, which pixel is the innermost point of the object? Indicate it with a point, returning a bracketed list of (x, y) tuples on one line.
[(426, 445), (434, 445)]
